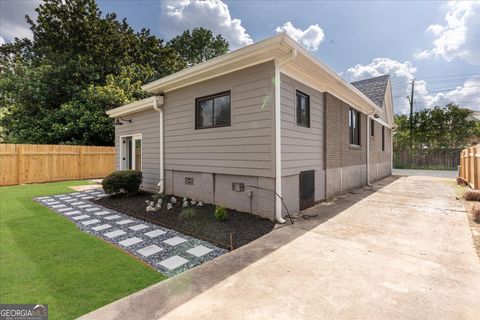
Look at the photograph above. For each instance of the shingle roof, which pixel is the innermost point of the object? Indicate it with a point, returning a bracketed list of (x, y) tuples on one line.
[(373, 88)]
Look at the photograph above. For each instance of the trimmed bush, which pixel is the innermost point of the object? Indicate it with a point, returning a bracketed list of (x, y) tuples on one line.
[(188, 213), (472, 195), (124, 181), (476, 213), (221, 213)]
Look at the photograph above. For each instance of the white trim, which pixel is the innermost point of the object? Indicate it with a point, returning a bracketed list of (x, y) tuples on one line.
[(135, 136), (134, 107), (278, 147)]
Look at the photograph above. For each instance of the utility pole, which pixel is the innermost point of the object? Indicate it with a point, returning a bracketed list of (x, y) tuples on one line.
[(410, 100)]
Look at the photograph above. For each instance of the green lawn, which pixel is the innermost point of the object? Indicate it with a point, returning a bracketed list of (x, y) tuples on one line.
[(44, 258)]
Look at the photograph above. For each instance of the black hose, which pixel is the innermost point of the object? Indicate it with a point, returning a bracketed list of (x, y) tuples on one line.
[(288, 212)]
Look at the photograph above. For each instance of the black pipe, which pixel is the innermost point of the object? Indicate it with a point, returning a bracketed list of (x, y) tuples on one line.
[(288, 212)]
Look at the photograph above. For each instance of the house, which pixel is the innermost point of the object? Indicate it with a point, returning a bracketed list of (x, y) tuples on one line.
[(266, 121)]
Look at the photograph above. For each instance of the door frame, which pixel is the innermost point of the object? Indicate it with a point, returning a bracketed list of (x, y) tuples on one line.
[(135, 136)]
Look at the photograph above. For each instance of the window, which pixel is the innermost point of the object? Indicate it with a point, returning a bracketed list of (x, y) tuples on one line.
[(131, 152), (303, 110), (372, 128), (383, 138), (213, 111), (354, 125)]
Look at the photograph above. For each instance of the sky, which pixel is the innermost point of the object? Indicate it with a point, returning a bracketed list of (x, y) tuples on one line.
[(437, 43)]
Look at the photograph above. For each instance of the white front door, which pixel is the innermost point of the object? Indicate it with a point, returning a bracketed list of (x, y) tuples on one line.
[(131, 152)]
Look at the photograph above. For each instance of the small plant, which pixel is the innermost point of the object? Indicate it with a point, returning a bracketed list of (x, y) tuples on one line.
[(169, 206), (476, 213), (221, 213), (124, 181), (472, 195), (188, 213), (199, 203)]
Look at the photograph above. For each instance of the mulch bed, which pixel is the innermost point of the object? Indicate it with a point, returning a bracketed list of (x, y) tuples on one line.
[(239, 229)]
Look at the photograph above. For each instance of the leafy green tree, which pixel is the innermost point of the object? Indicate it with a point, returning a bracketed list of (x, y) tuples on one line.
[(80, 63), (437, 128), (198, 46)]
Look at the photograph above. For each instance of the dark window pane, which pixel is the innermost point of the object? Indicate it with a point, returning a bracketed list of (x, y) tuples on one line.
[(303, 109), (222, 111)]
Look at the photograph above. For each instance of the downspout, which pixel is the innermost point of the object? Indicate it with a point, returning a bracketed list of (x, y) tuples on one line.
[(368, 148), (158, 107), (278, 135)]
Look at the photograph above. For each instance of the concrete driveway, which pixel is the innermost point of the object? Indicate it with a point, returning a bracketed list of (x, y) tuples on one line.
[(400, 251)]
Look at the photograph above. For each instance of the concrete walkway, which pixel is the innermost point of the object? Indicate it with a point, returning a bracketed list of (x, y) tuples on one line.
[(426, 173), (400, 251)]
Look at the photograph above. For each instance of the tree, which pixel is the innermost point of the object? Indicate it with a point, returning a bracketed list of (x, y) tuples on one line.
[(56, 88), (437, 128), (198, 46)]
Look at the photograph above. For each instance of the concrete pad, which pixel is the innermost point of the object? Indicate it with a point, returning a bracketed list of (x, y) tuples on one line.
[(154, 233), (138, 227), (101, 227), (81, 217), (113, 234), (77, 203), (92, 209), (173, 262), (102, 213), (130, 241), (85, 206), (115, 216), (71, 213), (174, 241), (199, 251), (148, 251), (64, 209), (126, 221), (89, 222)]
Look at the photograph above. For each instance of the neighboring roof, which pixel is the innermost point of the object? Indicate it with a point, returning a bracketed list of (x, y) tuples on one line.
[(373, 88), (474, 116)]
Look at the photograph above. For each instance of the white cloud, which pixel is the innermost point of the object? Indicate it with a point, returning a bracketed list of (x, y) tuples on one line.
[(467, 95), (310, 38), (178, 16), (12, 18), (459, 37), (2, 41)]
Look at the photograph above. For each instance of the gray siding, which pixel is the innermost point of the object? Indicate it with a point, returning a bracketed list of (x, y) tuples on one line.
[(244, 148), (302, 148), (148, 124)]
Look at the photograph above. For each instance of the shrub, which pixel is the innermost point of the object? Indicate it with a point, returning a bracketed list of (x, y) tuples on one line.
[(188, 213), (221, 213), (472, 195), (125, 181), (461, 182), (476, 213)]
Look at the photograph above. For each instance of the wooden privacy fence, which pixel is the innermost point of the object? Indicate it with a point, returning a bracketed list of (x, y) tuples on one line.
[(427, 159), (470, 166), (29, 163)]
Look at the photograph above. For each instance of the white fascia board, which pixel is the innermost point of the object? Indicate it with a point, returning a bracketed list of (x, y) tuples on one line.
[(134, 107)]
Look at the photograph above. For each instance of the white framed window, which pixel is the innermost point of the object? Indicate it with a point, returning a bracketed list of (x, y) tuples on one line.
[(131, 152)]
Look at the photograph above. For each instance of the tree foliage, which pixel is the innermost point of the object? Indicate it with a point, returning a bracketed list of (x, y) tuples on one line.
[(56, 87), (437, 128), (198, 46)]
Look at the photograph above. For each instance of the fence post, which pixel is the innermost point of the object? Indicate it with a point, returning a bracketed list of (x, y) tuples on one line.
[(81, 162), (20, 162)]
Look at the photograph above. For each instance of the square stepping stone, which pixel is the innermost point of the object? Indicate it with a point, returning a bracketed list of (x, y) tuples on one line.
[(52, 203), (148, 251), (173, 262), (139, 227), (77, 203), (65, 198), (89, 222), (85, 205), (154, 233), (102, 213), (86, 198), (71, 213), (115, 216), (81, 217), (101, 227), (175, 241), (113, 234), (199, 251), (70, 200), (130, 241), (126, 221), (92, 209), (58, 206), (64, 209), (74, 193)]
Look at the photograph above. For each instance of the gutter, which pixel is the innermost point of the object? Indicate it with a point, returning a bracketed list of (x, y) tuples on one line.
[(278, 136), (157, 106)]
